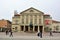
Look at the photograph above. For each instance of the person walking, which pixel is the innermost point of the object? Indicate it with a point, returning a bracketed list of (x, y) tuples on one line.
[(39, 34), (6, 32), (51, 32), (11, 33)]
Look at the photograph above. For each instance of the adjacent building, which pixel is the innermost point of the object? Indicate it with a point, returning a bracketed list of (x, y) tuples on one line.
[(56, 25), (31, 20), (5, 25)]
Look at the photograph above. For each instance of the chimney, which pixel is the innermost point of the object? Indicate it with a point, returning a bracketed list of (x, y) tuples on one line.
[(15, 12)]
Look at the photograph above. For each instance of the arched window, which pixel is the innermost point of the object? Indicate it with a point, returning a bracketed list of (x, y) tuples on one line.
[(15, 28)]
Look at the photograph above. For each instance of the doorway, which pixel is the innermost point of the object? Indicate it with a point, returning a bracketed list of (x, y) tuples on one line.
[(31, 28), (36, 28), (41, 28), (26, 28), (22, 28)]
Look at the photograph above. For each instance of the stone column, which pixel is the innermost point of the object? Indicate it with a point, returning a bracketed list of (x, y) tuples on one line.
[(38, 29), (28, 29), (24, 27), (43, 30), (33, 28)]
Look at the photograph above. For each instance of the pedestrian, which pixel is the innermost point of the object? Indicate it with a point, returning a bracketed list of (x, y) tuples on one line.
[(51, 32), (38, 34), (6, 32), (11, 33)]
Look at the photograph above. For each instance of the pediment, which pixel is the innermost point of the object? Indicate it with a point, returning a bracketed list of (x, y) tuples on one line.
[(31, 10)]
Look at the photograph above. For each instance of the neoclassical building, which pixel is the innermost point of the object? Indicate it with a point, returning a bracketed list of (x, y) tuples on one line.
[(31, 20)]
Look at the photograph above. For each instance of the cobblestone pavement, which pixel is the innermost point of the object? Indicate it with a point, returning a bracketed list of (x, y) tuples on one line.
[(29, 36)]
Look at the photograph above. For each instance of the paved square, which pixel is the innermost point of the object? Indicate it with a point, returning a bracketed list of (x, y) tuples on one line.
[(29, 36)]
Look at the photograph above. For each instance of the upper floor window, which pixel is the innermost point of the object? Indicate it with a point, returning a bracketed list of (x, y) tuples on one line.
[(35, 15), (26, 20), (35, 21), (22, 16), (39, 21), (16, 21), (30, 15), (22, 20)]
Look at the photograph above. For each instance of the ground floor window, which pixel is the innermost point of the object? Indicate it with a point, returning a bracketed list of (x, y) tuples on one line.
[(3, 29), (46, 29)]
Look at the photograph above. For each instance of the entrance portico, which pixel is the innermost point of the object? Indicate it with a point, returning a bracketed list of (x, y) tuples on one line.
[(32, 29)]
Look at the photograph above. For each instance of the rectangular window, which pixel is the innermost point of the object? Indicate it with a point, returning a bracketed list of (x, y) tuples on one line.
[(16, 21), (35, 21), (22, 19), (27, 19), (39, 21), (31, 20)]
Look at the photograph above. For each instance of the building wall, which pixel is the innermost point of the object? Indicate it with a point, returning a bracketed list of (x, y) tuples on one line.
[(35, 16), (5, 24), (26, 17), (56, 26), (47, 22)]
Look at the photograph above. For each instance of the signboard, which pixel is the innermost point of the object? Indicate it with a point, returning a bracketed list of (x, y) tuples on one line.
[(47, 22)]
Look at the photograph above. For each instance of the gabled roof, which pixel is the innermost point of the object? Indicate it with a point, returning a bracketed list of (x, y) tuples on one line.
[(46, 15), (31, 8), (16, 14), (54, 21)]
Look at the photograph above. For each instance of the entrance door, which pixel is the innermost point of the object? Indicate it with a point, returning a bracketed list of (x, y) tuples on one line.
[(41, 28), (36, 28), (31, 28), (26, 28), (22, 28)]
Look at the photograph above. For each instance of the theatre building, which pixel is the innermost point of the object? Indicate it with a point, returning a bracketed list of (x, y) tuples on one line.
[(31, 20)]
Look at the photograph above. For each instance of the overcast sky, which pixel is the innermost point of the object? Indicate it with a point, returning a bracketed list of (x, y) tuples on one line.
[(51, 7)]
